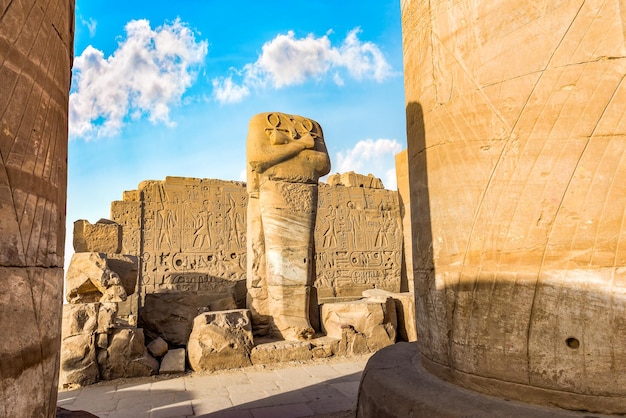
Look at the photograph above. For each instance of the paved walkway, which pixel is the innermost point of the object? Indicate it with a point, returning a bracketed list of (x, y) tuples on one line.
[(326, 388)]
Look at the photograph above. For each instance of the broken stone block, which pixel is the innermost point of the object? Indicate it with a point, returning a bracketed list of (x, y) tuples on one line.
[(170, 315), (405, 311), (79, 319), (352, 179), (107, 314), (158, 347), (78, 361), (281, 351), (104, 236), (89, 278), (363, 325), (173, 362), (127, 356), (127, 268), (220, 340), (102, 340)]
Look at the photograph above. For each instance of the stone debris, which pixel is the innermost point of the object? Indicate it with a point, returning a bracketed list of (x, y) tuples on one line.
[(78, 360), (127, 356), (405, 311), (91, 278), (104, 236), (173, 362), (170, 315), (158, 347), (220, 340), (362, 326)]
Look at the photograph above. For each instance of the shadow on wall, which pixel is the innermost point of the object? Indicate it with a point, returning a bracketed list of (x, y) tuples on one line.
[(506, 321), (421, 230)]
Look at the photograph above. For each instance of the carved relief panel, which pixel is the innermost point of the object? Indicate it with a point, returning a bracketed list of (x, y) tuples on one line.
[(358, 241), (192, 234)]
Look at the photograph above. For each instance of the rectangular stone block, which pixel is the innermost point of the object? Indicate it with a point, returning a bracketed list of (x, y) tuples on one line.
[(102, 237)]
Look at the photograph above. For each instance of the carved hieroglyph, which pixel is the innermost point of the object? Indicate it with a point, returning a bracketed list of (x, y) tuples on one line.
[(358, 241), (517, 137), (286, 155), (189, 233), (36, 49)]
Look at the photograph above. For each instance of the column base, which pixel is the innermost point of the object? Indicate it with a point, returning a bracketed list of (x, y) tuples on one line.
[(394, 384)]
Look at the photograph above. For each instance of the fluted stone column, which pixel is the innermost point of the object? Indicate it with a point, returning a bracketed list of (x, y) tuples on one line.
[(517, 143), (36, 48)]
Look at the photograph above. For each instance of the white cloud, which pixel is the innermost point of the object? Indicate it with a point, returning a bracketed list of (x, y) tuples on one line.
[(91, 25), (228, 92), (287, 60), (147, 74), (375, 157)]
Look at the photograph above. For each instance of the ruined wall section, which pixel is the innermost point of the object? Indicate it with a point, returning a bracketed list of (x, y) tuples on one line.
[(190, 235), (358, 241)]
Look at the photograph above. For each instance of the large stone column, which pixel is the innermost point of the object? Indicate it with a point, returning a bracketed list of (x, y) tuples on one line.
[(517, 138), (36, 49)]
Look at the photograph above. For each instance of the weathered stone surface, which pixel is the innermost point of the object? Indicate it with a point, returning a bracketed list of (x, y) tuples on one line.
[(405, 311), (30, 317), (182, 249), (173, 362), (220, 340), (36, 50), (363, 326), (158, 347), (281, 351), (515, 142), (358, 241), (126, 267), (102, 237), (102, 340), (170, 315), (286, 155), (107, 315), (79, 319), (127, 356), (404, 200), (78, 360), (89, 278), (352, 179)]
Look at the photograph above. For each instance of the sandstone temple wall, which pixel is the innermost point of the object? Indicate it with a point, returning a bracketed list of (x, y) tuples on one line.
[(36, 49), (190, 235), (516, 137)]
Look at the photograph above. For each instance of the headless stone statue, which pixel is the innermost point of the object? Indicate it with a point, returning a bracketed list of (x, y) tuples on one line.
[(286, 157)]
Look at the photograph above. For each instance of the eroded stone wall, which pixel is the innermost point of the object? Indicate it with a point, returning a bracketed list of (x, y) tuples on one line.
[(190, 235), (358, 241), (36, 49)]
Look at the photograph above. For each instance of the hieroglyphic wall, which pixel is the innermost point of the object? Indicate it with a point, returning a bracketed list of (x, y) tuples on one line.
[(358, 241), (190, 235)]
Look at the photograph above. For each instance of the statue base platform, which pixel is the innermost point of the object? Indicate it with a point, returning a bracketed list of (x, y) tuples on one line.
[(394, 384)]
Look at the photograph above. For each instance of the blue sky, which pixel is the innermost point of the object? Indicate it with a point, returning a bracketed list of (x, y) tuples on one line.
[(167, 89)]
